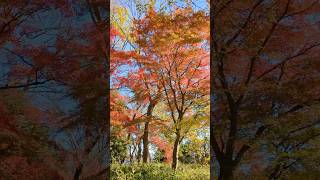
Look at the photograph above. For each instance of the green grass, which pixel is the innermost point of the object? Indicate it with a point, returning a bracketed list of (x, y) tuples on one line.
[(155, 171)]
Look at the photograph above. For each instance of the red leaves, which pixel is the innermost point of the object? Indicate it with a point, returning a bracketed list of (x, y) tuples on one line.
[(113, 33), (41, 57), (119, 58), (13, 106), (163, 145), (18, 167), (118, 118), (7, 121)]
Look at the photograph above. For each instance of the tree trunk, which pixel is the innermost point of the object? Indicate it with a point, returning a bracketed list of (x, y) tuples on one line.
[(175, 151), (97, 18), (226, 171), (145, 154), (275, 173), (145, 143), (78, 172), (139, 152)]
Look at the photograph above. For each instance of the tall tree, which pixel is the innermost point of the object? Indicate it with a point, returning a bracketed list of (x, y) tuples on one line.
[(175, 45)]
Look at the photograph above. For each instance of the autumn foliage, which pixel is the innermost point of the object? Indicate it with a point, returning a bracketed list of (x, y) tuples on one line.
[(166, 71), (264, 64), (53, 83), (143, 83)]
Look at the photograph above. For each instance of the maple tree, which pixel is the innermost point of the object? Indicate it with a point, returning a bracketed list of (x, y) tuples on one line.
[(144, 78), (153, 58), (264, 61), (140, 81), (183, 68)]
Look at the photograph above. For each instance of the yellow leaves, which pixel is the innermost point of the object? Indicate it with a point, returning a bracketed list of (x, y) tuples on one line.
[(152, 4), (119, 15), (120, 20), (174, 35)]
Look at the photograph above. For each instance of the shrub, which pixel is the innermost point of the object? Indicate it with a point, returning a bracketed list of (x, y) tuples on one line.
[(154, 171)]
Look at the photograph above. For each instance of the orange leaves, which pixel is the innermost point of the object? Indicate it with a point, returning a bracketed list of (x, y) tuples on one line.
[(118, 118), (123, 57), (156, 30), (113, 33), (162, 34), (176, 43), (163, 145), (121, 116)]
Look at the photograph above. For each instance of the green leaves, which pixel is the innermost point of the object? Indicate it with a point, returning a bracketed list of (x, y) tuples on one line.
[(154, 171)]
